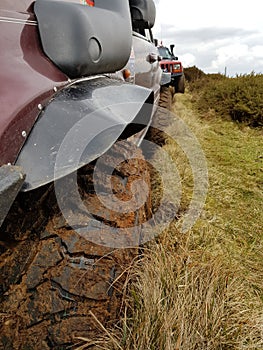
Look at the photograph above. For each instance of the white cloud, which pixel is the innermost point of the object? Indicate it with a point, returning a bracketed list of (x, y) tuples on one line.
[(239, 57), (257, 51), (191, 14), (188, 59), (234, 51), (213, 36)]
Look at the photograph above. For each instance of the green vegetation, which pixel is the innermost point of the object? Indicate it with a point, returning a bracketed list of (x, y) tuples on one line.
[(203, 290), (241, 97)]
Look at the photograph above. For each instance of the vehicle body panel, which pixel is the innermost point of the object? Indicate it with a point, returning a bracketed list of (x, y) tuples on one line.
[(27, 79), (31, 115), (147, 73), (31, 77)]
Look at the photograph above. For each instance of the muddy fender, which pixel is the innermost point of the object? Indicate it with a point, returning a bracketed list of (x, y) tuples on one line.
[(80, 124), (11, 181)]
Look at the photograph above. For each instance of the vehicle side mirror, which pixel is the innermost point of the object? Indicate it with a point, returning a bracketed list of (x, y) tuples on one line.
[(143, 13)]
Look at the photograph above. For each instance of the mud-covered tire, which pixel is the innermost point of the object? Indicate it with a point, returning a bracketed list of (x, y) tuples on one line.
[(179, 85), (54, 280), (162, 118)]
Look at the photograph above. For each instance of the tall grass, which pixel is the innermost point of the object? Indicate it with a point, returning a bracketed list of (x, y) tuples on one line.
[(186, 298), (203, 290)]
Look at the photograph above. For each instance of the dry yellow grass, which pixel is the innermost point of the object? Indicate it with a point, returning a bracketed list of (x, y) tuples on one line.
[(203, 290)]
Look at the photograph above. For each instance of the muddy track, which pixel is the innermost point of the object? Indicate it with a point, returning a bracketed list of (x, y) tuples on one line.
[(51, 276)]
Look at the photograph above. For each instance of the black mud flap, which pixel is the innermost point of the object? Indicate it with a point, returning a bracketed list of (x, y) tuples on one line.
[(11, 181), (80, 124)]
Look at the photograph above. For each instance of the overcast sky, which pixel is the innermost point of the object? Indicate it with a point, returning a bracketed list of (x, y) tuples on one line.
[(213, 35)]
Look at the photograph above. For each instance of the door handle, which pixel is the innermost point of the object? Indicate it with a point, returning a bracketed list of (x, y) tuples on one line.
[(153, 57)]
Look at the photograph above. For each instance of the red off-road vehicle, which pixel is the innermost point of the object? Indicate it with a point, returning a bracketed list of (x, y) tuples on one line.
[(76, 77), (169, 63)]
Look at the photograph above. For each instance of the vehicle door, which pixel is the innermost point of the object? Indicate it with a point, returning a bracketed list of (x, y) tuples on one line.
[(147, 69), (144, 53)]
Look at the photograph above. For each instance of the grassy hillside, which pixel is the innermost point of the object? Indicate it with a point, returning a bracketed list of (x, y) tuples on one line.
[(240, 98)]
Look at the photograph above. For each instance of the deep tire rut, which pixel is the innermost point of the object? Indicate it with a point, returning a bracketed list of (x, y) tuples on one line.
[(51, 276)]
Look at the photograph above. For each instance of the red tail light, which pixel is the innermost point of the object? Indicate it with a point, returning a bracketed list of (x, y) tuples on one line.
[(89, 2)]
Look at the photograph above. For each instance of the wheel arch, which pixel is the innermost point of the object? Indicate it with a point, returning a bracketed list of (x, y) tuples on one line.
[(93, 113)]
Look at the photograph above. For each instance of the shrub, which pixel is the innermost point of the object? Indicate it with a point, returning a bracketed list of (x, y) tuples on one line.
[(241, 97), (193, 73)]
